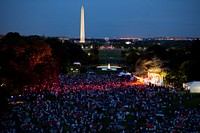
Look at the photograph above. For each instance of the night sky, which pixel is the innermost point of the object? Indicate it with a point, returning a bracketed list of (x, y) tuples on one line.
[(103, 18)]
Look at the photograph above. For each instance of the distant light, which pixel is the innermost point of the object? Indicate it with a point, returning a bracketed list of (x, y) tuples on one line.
[(3, 84), (108, 65), (128, 42), (106, 39)]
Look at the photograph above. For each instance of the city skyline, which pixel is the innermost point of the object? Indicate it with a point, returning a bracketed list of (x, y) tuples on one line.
[(130, 18)]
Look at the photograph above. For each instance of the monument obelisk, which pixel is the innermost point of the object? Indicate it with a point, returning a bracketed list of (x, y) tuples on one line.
[(82, 26)]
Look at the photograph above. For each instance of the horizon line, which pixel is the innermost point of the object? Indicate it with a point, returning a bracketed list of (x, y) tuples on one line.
[(63, 36)]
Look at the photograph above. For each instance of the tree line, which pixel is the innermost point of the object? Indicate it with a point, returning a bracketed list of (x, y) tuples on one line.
[(34, 59), (178, 62)]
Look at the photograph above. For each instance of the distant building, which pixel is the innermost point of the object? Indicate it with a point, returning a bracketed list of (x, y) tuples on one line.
[(63, 39)]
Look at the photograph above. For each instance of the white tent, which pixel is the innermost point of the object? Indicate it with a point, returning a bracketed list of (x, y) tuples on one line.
[(128, 74), (121, 74), (77, 63), (193, 87)]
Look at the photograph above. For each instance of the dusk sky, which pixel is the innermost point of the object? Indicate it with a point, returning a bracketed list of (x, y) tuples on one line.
[(103, 18)]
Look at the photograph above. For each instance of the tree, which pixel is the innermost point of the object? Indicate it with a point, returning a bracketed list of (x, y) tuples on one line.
[(131, 56), (21, 57), (93, 55), (154, 65), (157, 50), (76, 54)]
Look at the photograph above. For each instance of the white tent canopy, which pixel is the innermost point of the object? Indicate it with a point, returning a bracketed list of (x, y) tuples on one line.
[(127, 73), (124, 74), (76, 63), (193, 87), (121, 74)]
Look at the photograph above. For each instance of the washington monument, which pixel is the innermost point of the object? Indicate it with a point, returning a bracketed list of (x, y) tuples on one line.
[(82, 26)]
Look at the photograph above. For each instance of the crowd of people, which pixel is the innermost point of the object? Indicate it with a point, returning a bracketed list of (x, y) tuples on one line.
[(90, 103)]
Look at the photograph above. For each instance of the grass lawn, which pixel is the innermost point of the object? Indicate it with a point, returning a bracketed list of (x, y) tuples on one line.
[(110, 53)]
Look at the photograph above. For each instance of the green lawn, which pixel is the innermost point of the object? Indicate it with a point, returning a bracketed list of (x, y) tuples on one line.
[(110, 53)]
